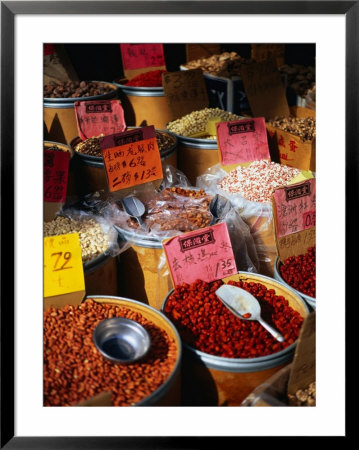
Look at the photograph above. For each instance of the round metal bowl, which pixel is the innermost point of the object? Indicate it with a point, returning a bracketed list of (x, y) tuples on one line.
[(121, 340)]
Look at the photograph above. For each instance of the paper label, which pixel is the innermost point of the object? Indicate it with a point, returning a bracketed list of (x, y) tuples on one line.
[(264, 89), (295, 207), (131, 161), (137, 56), (185, 92), (242, 140), (292, 150), (56, 170), (303, 367), (63, 267), (99, 117), (204, 254)]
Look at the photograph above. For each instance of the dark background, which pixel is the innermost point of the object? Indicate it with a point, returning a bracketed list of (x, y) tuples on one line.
[(103, 61)]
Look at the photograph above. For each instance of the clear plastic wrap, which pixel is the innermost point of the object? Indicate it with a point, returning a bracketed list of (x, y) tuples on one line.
[(97, 234), (257, 215)]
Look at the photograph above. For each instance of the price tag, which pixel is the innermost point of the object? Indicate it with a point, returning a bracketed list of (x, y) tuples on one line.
[(56, 170), (204, 254), (265, 90), (303, 367), (63, 267), (138, 56), (131, 158), (294, 210), (99, 117), (185, 92), (242, 141)]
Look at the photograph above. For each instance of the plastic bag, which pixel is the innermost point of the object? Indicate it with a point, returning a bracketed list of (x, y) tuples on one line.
[(97, 235), (258, 216)]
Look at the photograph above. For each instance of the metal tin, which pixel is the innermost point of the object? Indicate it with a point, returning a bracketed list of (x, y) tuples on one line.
[(213, 381), (138, 91), (144, 105), (310, 300), (63, 147), (168, 394), (59, 115), (101, 275)]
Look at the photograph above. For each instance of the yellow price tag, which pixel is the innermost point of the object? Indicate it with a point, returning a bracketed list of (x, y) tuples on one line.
[(302, 176), (63, 267)]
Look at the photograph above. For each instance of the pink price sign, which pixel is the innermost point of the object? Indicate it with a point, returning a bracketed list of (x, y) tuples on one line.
[(99, 117), (204, 254), (242, 141), (295, 207), (138, 56)]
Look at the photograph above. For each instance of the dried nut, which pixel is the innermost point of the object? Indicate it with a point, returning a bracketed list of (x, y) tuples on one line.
[(93, 240)]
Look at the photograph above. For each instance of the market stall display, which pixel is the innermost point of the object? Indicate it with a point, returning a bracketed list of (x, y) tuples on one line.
[(177, 188)]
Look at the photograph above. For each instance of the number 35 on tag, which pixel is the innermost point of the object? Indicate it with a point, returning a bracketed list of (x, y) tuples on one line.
[(63, 267)]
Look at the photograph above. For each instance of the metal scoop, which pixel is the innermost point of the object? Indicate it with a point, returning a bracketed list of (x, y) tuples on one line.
[(135, 208), (219, 207), (243, 305)]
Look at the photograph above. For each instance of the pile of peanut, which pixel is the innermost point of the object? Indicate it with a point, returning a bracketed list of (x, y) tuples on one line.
[(74, 370), (225, 64), (304, 397), (93, 240), (304, 128), (196, 121)]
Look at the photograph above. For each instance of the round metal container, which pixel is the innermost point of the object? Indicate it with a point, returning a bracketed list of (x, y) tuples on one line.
[(59, 115), (143, 105), (101, 275), (310, 300), (139, 277), (196, 155), (169, 393), (214, 381), (91, 169)]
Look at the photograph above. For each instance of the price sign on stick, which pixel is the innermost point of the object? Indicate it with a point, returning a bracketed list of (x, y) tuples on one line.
[(242, 141), (56, 170), (99, 117), (131, 161), (185, 91), (204, 254), (294, 210), (139, 58), (264, 89), (63, 267)]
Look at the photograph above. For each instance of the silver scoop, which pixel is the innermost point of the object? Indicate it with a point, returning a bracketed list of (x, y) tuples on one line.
[(241, 302), (134, 207), (218, 207)]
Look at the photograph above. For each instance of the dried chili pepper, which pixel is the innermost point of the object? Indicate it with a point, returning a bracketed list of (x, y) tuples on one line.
[(152, 78), (207, 325)]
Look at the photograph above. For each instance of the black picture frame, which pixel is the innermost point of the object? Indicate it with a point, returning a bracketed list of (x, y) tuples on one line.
[(9, 9)]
